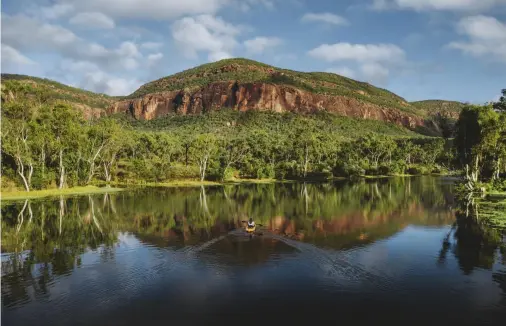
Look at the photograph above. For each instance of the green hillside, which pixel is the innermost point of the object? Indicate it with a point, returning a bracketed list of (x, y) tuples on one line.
[(433, 106), (249, 71), (49, 90), (230, 121)]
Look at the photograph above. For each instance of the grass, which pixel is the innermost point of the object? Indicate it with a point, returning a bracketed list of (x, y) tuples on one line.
[(432, 106), (18, 195), (245, 181), (47, 90), (171, 183)]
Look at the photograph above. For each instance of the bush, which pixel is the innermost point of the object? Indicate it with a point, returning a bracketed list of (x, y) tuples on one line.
[(230, 174), (418, 170), (348, 170), (285, 170), (180, 172), (499, 185), (384, 170), (266, 172), (398, 167)]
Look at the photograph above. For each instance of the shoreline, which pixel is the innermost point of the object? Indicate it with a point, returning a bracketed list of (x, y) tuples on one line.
[(101, 187), (35, 194)]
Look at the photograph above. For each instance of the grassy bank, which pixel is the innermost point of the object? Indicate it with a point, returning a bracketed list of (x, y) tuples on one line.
[(17, 195)]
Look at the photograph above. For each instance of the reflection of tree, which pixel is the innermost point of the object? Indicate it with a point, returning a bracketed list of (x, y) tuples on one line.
[(475, 245), (55, 236)]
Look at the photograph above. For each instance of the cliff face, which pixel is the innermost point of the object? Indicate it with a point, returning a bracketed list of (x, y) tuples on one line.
[(256, 96)]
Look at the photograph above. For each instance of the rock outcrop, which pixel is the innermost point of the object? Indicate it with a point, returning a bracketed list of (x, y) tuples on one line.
[(257, 96)]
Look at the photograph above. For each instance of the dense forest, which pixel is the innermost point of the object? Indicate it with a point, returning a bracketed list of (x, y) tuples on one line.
[(47, 143)]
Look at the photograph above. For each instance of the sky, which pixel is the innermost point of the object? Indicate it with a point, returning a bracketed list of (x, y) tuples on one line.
[(418, 49)]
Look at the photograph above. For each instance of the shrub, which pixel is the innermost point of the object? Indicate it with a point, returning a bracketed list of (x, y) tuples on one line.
[(266, 172)]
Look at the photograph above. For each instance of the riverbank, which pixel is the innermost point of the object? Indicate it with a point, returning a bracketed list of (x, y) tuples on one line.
[(100, 187), (19, 195)]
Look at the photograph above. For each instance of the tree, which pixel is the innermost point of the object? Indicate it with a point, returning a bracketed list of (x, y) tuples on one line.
[(18, 138), (375, 148), (431, 151), (203, 149), (67, 125), (501, 104), (235, 151), (480, 139), (118, 139)]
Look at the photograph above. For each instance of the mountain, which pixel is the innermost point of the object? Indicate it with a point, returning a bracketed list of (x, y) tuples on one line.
[(46, 90), (244, 85)]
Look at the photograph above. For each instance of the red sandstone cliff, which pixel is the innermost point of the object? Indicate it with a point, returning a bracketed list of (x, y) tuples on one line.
[(256, 96)]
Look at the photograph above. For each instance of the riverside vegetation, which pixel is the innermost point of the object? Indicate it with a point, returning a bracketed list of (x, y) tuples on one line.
[(48, 144)]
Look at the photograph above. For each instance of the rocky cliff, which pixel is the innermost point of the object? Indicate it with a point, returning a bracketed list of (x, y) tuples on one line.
[(257, 96)]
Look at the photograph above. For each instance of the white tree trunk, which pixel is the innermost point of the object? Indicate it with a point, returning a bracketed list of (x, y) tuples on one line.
[(21, 172), (203, 167), (92, 163), (62, 171), (306, 161)]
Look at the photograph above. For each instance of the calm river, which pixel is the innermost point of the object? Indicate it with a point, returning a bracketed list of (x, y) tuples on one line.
[(386, 252)]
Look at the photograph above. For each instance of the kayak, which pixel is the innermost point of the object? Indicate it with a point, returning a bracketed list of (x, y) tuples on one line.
[(250, 229)]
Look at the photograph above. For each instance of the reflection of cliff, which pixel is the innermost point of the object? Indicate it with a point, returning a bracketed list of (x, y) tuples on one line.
[(358, 227)]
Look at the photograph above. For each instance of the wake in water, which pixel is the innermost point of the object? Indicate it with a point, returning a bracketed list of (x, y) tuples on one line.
[(335, 265)]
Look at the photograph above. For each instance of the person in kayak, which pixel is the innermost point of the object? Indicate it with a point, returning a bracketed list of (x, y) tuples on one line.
[(251, 223)]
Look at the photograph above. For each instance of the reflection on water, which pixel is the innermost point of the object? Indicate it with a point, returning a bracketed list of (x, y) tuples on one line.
[(97, 259)]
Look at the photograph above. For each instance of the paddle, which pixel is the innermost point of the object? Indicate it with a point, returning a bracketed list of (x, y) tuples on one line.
[(256, 224)]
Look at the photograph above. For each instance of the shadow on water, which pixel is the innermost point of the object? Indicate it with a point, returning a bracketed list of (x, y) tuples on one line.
[(187, 230)]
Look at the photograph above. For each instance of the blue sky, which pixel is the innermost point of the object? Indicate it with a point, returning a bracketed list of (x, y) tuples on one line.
[(419, 49)]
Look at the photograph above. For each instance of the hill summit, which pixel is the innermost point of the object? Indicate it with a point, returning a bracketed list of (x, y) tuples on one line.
[(244, 84)]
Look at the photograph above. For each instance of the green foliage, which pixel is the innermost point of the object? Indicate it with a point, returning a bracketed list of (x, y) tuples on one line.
[(435, 106), (49, 91), (501, 104), (481, 141)]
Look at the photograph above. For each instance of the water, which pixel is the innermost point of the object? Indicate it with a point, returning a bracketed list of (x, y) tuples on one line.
[(388, 251)]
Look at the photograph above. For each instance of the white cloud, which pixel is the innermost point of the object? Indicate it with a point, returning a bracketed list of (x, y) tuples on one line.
[(325, 17), (56, 11), (128, 49), (374, 73), (205, 33), (91, 77), (487, 37), (13, 56), (246, 5), (93, 20), (30, 35), (154, 58), (24, 32), (259, 44), (151, 45), (217, 56), (150, 9), (443, 5), (343, 71), (359, 52), (373, 61)]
